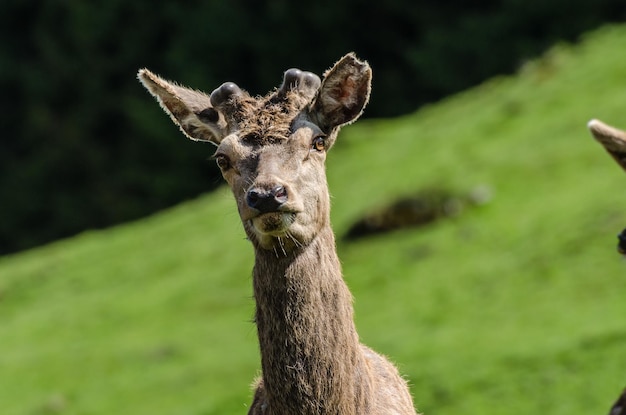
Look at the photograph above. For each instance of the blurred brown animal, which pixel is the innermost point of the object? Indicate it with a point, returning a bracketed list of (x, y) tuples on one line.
[(271, 151), (422, 208)]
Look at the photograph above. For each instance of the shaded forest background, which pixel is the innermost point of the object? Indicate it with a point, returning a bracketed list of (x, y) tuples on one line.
[(83, 146)]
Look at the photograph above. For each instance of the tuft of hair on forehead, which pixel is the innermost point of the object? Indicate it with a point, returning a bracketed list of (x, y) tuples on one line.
[(269, 118)]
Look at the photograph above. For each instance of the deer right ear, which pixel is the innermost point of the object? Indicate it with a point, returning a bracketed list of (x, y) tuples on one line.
[(344, 92), (189, 109), (612, 139)]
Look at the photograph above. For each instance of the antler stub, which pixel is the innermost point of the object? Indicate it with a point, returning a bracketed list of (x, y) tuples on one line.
[(306, 83)]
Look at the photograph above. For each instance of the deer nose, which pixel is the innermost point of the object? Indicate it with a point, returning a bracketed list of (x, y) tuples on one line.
[(266, 201)]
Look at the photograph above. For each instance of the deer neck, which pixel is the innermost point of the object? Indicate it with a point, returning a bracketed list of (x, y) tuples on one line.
[(310, 353)]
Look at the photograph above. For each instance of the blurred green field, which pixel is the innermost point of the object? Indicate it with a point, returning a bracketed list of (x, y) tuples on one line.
[(514, 307)]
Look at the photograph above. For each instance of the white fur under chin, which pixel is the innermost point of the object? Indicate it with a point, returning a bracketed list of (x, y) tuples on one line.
[(278, 232), (273, 224)]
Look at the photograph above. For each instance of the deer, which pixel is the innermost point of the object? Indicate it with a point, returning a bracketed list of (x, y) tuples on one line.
[(614, 142), (271, 151)]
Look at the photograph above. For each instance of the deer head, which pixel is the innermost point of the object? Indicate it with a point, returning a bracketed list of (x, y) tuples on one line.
[(271, 150)]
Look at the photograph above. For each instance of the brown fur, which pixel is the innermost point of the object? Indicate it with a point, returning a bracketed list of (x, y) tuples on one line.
[(311, 358)]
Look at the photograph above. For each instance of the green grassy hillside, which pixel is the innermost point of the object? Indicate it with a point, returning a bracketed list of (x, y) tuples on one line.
[(514, 307)]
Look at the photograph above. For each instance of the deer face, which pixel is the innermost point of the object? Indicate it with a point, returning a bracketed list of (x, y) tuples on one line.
[(271, 150), (280, 187)]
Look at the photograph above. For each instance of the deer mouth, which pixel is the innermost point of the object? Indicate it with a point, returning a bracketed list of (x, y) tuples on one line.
[(273, 223)]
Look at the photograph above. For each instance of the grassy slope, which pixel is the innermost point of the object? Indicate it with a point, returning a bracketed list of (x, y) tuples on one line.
[(515, 307)]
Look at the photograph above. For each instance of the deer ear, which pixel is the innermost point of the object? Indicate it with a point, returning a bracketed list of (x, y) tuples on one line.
[(612, 139), (344, 92), (189, 109)]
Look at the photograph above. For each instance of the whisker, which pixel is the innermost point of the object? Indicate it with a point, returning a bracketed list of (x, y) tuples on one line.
[(282, 246), (295, 241), (249, 182)]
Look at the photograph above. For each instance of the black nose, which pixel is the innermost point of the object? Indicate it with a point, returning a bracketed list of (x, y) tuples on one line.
[(266, 201)]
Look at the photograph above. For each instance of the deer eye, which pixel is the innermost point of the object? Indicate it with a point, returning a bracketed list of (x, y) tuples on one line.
[(223, 162), (318, 144)]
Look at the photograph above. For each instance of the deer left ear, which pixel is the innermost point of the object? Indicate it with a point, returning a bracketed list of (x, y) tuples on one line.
[(191, 110), (344, 92)]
